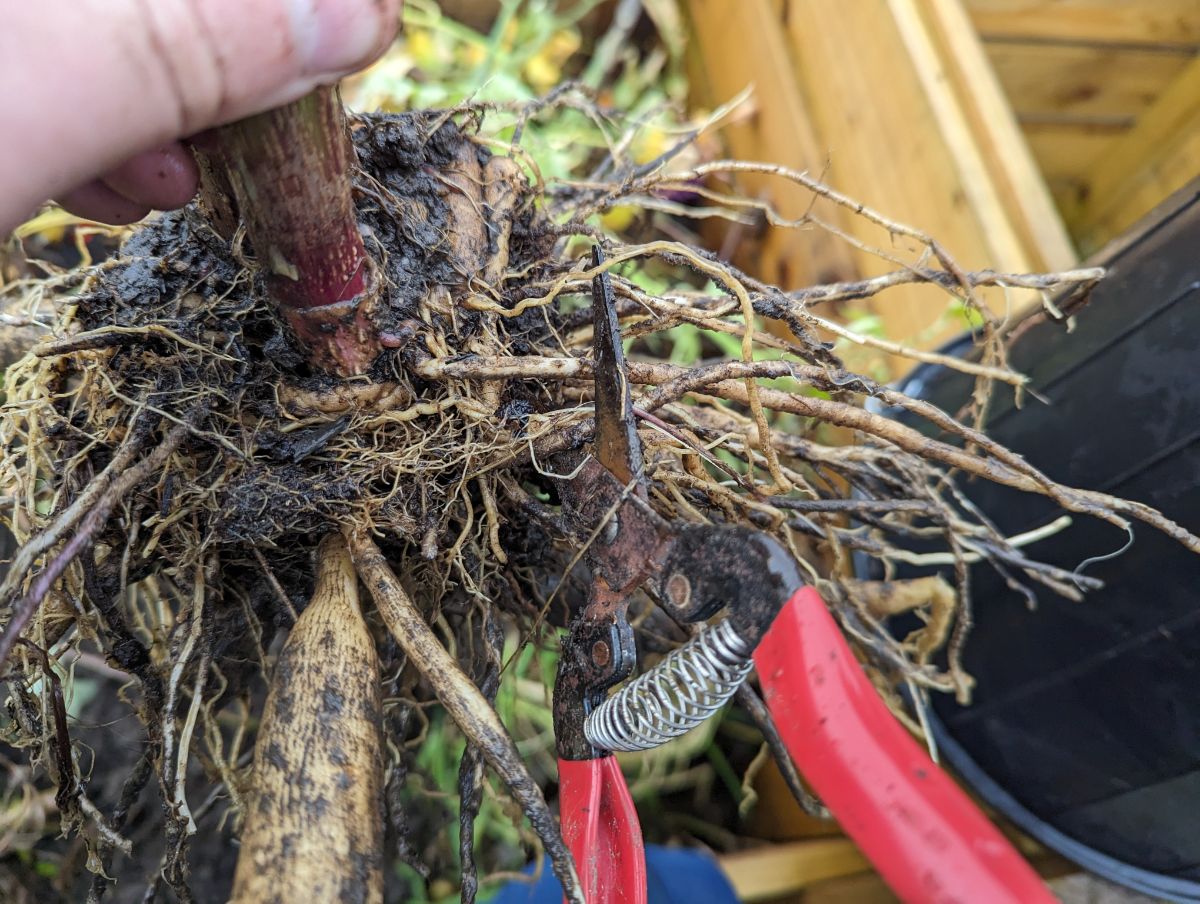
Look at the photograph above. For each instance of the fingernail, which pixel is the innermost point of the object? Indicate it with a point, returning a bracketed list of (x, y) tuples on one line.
[(338, 36)]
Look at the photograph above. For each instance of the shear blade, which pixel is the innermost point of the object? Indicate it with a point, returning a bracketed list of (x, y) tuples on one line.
[(616, 446)]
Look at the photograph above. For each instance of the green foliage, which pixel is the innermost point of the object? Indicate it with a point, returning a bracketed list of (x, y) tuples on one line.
[(532, 47), (523, 704)]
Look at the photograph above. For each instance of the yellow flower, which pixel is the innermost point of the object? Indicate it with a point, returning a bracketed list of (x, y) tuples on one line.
[(474, 54), (544, 69), (422, 47), (619, 218), (649, 144)]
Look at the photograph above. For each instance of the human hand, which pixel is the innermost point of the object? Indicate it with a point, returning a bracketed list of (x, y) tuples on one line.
[(98, 93)]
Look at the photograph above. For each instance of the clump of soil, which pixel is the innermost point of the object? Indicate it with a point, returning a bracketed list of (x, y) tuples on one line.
[(172, 462)]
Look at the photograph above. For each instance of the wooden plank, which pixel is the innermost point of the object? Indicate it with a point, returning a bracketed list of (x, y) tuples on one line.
[(1101, 85), (865, 888), (777, 817), (888, 154), (768, 872), (827, 871), (868, 888), (899, 140), (1065, 154), (737, 45), (1157, 157), (889, 101), (1066, 151), (1175, 22), (998, 231), (1007, 155)]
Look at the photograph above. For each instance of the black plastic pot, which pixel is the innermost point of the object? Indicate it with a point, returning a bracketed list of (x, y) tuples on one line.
[(1085, 727)]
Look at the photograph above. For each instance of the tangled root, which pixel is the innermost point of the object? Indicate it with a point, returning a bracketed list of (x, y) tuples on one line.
[(171, 461)]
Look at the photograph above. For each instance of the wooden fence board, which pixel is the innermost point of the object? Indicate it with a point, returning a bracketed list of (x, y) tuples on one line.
[(1157, 157), (1117, 21)]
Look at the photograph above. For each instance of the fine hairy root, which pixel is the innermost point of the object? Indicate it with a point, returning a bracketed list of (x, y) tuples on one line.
[(89, 519), (314, 822), (172, 460)]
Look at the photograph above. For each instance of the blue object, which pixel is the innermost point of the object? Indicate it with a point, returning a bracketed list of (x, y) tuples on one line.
[(674, 876)]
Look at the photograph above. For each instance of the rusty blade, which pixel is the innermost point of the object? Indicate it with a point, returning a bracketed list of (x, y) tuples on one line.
[(616, 445)]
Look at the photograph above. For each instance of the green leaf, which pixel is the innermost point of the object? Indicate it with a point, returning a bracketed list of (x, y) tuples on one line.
[(685, 344)]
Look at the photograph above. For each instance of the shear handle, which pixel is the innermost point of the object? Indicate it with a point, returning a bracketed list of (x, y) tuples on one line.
[(600, 826), (922, 833)]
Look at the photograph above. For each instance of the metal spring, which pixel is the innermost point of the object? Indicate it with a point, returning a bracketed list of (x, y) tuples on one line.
[(688, 686)]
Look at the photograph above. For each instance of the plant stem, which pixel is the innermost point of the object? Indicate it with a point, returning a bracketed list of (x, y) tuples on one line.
[(290, 170)]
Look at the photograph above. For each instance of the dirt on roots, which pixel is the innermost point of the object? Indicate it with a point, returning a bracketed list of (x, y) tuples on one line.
[(171, 463)]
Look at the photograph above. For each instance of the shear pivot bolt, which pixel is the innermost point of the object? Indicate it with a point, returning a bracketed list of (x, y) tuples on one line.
[(679, 590), (601, 654)]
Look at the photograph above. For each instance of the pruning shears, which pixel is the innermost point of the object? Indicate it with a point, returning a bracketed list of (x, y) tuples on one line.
[(921, 832)]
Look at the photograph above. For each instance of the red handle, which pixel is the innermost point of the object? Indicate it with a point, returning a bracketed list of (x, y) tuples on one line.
[(600, 826), (923, 834)]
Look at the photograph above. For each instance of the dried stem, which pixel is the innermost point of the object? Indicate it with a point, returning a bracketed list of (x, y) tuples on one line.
[(470, 772), (865, 288)]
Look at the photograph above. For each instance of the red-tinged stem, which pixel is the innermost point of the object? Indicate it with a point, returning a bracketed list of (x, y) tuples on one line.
[(290, 172)]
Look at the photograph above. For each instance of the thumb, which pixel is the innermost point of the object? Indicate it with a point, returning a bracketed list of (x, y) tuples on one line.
[(100, 80)]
